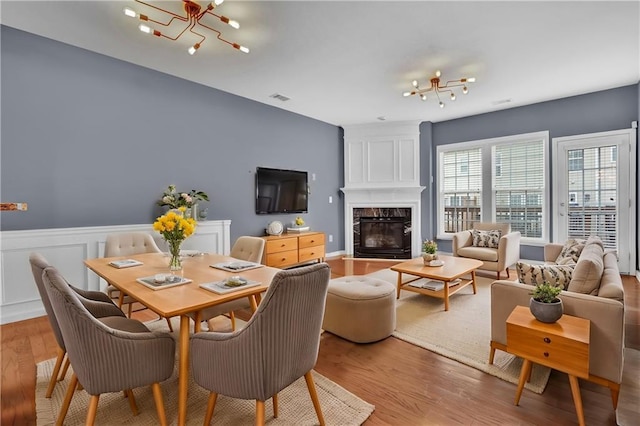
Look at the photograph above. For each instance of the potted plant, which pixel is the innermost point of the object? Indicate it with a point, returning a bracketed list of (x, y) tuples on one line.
[(545, 305), (429, 251)]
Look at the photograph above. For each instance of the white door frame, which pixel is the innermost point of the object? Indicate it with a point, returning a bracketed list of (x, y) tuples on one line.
[(627, 266)]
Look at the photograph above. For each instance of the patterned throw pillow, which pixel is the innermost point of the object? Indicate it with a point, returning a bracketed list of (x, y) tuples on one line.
[(486, 238), (571, 252), (556, 275)]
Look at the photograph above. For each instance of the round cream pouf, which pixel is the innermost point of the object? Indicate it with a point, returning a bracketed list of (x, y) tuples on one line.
[(360, 309)]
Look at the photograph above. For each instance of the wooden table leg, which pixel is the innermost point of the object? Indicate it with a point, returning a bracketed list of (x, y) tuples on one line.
[(473, 281), (446, 295), (399, 284), (524, 373), (183, 372), (577, 399)]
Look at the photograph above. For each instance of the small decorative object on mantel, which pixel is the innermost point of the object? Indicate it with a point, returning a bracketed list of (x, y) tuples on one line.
[(189, 200), (175, 228), (13, 207), (429, 252), (545, 305)]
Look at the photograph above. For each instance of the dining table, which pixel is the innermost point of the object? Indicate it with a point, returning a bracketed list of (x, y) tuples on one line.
[(184, 300)]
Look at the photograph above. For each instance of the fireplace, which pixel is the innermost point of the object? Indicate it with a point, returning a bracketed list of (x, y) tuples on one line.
[(382, 233)]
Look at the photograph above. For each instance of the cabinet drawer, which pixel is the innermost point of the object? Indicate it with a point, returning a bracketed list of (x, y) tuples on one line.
[(558, 352), (311, 240), (282, 259), (281, 244), (311, 253)]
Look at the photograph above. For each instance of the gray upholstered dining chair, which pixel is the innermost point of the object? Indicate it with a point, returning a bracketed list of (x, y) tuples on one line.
[(245, 248), (128, 244), (278, 345), (96, 302), (109, 354)]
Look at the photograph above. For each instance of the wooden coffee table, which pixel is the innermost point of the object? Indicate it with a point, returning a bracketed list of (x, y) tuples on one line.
[(453, 268)]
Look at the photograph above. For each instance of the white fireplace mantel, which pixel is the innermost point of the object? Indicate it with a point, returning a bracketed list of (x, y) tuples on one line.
[(382, 169)]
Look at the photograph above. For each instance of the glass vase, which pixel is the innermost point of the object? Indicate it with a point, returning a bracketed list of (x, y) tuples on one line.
[(175, 264)]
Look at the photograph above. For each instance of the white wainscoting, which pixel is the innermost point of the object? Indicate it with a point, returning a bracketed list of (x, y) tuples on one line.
[(66, 249)]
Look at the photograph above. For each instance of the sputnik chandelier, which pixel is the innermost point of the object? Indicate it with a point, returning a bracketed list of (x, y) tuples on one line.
[(438, 89), (194, 18)]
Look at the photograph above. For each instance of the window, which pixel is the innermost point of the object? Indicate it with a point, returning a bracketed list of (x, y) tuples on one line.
[(506, 182), (614, 153), (576, 159), (461, 176)]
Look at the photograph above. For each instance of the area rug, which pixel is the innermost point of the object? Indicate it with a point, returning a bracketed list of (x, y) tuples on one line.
[(463, 333), (339, 406)]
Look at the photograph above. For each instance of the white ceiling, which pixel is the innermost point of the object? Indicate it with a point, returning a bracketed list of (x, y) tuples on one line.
[(349, 62)]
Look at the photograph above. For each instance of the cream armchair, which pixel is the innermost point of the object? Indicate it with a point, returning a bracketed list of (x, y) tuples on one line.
[(496, 259)]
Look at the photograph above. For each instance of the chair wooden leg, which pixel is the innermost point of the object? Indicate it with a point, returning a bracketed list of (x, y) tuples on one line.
[(314, 396), (67, 400), (498, 275), (120, 299), (93, 410), (274, 399), (615, 392), (259, 413), (132, 402), (492, 354), (56, 369), (210, 407), (65, 367), (508, 276), (130, 310), (169, 324), (157, 397), (232, 317)]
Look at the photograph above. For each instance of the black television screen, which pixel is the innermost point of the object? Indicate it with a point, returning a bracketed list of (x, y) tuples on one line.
[(281, 191)]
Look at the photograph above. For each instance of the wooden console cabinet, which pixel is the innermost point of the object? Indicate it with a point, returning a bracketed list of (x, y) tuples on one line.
[(283, 251)]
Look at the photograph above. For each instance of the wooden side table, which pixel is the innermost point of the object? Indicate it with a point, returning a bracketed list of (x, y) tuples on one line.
[(563, 346)]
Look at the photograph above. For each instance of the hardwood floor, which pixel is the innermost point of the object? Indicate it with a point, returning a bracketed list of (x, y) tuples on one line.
[(407, 384)]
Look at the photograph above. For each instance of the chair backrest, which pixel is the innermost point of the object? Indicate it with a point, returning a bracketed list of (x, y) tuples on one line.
[(130, 243), (248, 248), (278, 345), (107, 359), (38, 265), (504, 228)]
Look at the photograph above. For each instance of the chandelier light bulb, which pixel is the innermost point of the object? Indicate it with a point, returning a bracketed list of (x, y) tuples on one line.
[(145, 29), (130, 12), (471, 79), (441, 104), (234, 24), (405, 94), (193, 48), (218, 2), (438, 73), (241, 48), (465, 90), (415, 83), (423, 97), (453, 96)]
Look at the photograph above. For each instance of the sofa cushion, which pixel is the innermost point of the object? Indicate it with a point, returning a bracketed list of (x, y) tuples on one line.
[(557, 275), (488, 239), (588, 271), (571, 251)]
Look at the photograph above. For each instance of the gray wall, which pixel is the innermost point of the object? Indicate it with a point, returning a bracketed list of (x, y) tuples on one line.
[(89, 140), (594, 112)]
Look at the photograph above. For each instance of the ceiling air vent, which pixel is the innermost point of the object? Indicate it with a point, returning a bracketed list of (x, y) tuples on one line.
[(279, 97), (501, 101)]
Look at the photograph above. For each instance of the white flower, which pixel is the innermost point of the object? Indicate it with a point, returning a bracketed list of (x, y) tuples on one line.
[(167, 199)]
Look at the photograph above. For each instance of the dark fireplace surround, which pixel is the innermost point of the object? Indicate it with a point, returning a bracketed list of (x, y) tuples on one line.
[(383, 233)]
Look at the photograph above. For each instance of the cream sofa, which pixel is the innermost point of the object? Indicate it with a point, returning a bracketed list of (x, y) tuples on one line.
[(602, 305), (493, 259)]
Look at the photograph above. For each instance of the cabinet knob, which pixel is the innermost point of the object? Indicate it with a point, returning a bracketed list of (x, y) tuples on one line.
[(546, 354), (547, 340)]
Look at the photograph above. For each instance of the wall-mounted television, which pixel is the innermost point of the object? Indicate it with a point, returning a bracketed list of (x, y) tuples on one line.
[(281, 191)]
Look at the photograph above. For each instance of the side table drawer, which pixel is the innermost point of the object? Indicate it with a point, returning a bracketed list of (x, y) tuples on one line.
[(281, 259), (549, 349), (281, 244)]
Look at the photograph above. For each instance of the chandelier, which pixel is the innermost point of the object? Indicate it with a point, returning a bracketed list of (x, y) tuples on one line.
[(192, 21), (438, 89)]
